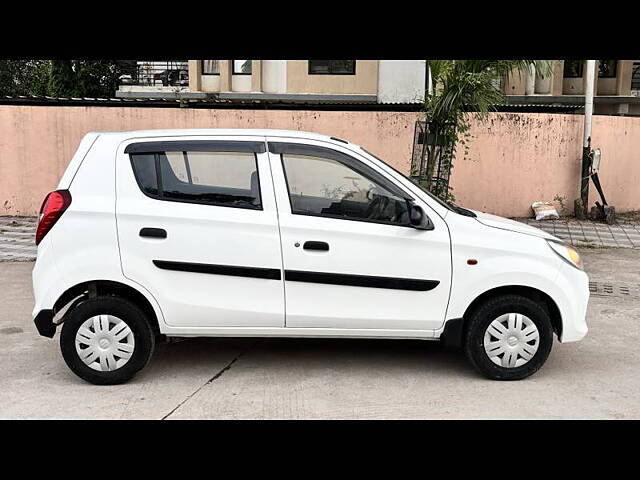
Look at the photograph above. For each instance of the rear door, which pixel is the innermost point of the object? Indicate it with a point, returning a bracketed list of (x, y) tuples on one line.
[(197, 227), (351, 259)]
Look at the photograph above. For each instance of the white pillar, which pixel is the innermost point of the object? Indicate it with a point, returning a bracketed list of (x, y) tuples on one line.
[(530, 85), (274, 76), (588, 101)]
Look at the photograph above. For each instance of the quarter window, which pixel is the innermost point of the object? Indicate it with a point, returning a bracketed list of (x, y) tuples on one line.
[(145, 169), (327, 187), (213, 178)]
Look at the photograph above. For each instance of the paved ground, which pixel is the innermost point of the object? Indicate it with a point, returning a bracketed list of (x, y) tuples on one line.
[(17, 238), (262, 378), (17, 235), (591, 234)]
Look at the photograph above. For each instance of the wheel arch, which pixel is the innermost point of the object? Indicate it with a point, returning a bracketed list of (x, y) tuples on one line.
[(93, 288), (454, 329), (524, 291)]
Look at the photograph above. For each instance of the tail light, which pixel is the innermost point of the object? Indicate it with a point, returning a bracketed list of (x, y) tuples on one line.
[(54, 205)]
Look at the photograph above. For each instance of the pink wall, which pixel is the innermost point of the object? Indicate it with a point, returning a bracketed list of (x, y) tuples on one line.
[(513, 159), (619, 139), (36, 143), (517, 159)]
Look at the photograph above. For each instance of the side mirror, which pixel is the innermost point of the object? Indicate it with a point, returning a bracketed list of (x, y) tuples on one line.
[(417, 218)]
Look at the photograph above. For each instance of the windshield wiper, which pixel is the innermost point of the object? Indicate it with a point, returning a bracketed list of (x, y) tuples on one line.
[(461, 210)]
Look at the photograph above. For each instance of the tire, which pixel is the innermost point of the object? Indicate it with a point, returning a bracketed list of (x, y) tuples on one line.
[(518, 338), (112, 312)]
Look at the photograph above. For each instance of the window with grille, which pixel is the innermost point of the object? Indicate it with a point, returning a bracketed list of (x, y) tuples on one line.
[(332, 67), (210, 67), (573, 68)]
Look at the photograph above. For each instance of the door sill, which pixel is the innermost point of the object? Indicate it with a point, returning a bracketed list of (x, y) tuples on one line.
[(297, 332)]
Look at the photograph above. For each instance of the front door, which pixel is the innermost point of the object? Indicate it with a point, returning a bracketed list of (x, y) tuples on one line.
[(198, 228), (351, 260)]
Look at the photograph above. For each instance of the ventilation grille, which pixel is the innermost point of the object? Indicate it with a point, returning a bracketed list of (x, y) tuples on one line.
[(606, 289)]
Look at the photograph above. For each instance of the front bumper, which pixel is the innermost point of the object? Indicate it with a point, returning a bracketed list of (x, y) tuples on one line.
[(574, 284)]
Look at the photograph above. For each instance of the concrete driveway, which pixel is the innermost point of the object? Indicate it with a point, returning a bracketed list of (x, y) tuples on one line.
[(290, 378)]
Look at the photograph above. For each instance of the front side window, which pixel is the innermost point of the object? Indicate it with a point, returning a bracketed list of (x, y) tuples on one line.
[(328, 187), (332, 67), (242, 67), (212, 178)]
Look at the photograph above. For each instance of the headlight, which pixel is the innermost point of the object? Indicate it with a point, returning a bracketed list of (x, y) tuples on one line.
[(567, 253)]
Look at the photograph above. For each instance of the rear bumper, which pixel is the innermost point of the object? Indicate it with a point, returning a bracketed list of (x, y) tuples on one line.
[(44, 323)]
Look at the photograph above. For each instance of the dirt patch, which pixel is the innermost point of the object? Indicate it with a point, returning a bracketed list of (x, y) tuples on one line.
[(10, 330), (628, 217)]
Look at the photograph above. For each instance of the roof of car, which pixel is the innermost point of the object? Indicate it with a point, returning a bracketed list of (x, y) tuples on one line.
[(265, 132)]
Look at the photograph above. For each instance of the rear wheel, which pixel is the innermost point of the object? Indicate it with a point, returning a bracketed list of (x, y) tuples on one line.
[(106, 340), (508, 337)]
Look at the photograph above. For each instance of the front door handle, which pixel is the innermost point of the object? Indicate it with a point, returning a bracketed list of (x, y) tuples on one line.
[(320, 246), (153, 232)]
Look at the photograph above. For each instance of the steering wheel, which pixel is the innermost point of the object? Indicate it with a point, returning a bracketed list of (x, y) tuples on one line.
[(374, 190), (377, 206), (381, 204)]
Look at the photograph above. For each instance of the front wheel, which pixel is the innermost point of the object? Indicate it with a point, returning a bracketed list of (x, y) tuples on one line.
[(106, 340), (508, 338)]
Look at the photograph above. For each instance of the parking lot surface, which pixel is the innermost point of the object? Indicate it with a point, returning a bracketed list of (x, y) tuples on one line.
[(317, 378), (17, 234)]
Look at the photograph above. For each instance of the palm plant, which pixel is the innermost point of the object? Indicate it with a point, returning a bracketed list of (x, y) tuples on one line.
[(461, 89)]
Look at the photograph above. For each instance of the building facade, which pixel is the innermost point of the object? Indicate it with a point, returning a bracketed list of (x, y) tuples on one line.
[(372, 81), (616, 91), (375, 81)]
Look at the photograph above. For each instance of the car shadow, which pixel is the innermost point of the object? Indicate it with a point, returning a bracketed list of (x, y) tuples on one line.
[(308, 354)]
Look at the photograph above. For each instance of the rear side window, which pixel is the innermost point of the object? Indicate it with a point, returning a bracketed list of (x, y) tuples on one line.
[(212, 178)]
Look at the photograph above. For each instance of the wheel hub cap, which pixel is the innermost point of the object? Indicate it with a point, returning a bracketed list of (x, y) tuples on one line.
[(105, 343), (511, 340)]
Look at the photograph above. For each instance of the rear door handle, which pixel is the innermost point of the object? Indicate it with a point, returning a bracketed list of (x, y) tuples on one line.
[(153, 232), (320, 246)]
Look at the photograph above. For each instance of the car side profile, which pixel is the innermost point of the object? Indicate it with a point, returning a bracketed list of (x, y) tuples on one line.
[(260, 233)]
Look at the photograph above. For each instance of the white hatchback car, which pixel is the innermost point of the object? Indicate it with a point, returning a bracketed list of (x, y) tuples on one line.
[(209, 233)]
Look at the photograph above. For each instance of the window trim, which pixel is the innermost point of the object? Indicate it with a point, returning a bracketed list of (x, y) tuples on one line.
[(161, 146), (309, 72), (207, 73), (233, 69), (280, 148), (160, 195)]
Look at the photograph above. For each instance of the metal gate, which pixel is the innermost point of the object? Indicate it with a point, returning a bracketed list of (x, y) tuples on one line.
[(432, 158)]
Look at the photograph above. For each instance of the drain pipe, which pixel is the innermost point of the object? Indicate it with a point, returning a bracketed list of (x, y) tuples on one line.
[(582, 203)]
